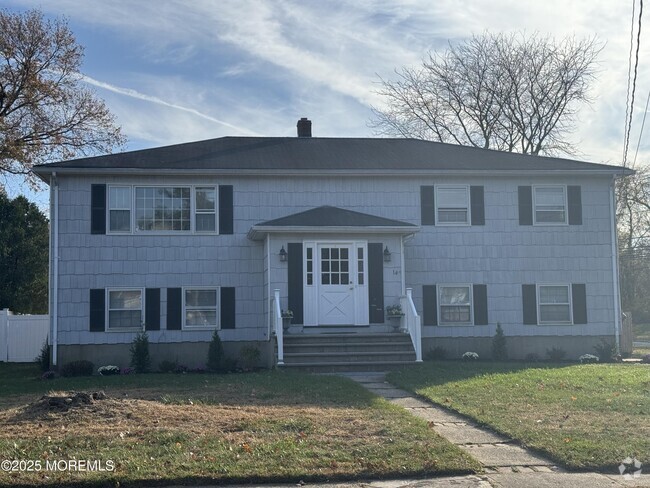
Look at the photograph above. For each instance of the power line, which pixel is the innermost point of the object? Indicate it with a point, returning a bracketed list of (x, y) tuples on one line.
[(636, 67), (629, 79), (645, 112)]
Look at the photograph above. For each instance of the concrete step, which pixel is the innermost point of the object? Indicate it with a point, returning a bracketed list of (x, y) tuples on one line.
[(349, 357), (345, 347), (326, 367), (346, 338)]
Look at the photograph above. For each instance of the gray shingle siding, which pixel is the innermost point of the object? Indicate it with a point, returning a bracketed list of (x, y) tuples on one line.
[(501, 253)]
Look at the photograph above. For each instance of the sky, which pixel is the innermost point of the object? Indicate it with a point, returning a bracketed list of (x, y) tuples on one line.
[(174, 71)]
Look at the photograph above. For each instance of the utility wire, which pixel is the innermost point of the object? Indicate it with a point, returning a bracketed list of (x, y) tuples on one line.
[(645, 112), (629, 79), (636, 67)]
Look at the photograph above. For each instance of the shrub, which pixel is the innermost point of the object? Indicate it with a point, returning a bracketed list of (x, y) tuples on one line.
[(78, 368), (533, 357), (470, 356), (48, 375), (181, 369), (167, 366), (646, 359), (198, 370), (215, 353), (436, 354), (588, 359), (228, 365), (43, 358), (140, 359), (250, 356), (499, 346), (606, 351), (556, 354), (125, 371), (108, 370)]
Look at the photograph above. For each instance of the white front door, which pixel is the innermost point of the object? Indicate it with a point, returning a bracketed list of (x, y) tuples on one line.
[(336, 286)]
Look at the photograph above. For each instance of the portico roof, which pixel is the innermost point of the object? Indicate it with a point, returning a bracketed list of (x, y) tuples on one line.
[(328, 219)]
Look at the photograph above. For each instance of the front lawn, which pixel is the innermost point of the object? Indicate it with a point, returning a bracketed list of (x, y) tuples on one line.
[(582, 416), (188, 429)]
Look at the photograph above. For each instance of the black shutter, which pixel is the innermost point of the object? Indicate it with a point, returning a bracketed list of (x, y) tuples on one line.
[(427, 206), (294, 281), (476, 197), (152, 309), (480, 305), (227, 307), (376, 282), (225, 209), (174, 308), (529, 303), (579, 296), (98, 209), (525, 205), (429, 305), (97, 310), (574, 196)]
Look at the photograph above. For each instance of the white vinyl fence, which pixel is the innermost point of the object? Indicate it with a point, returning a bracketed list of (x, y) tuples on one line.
[(22, 336)]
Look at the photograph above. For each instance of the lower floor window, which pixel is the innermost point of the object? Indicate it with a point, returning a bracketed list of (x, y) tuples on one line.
[(554, 304), (455, 304), (124, 309), (200, 307)]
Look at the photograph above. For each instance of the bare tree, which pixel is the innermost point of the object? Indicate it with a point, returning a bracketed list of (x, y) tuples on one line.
[(46, 113), (505, 92)]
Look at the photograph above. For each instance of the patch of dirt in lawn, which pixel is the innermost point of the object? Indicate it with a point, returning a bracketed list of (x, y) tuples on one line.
[(129, 417)]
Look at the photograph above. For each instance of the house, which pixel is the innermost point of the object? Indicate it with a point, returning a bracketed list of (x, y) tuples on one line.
[(226, 233)]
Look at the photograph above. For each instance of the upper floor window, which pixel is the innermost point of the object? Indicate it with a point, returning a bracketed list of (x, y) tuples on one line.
[(160, 209), (455, 304), (119, 209), (550, 204), (452, 205)]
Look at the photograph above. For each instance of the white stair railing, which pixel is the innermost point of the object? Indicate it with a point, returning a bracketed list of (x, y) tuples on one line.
[(412, 323), (276, 321)]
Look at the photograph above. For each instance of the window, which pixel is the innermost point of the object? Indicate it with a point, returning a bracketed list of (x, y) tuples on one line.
[(360, 272), (162, 208), (455, 303), (200, 307), (119, 209), (310, 265), (206, 209), (554, 304), (452, 205), (124, 309), (550, 204), (335, 266)]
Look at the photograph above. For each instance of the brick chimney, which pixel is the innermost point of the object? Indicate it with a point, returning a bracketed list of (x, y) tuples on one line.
[(304, 127)]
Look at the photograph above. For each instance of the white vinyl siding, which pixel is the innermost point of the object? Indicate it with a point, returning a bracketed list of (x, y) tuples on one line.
[(125, 309), (550, 204), (455, 304), (452, 205), (119, 209), (554, 304), (200, 308)]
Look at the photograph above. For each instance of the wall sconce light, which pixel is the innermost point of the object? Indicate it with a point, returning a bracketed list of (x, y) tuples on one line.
[(283, 255), (386, 255)]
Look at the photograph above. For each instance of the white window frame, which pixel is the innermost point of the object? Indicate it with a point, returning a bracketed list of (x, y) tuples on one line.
[(439, 288), (437, 208), (217, 326), (109, 209), (540, 304), (193, 212), (107, 312), (535, 205)]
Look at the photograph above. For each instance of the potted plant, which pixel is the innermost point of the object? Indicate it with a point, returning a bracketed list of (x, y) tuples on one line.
[(287, 316), (395, 314)]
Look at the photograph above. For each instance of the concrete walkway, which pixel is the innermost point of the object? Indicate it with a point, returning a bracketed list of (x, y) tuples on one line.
[(504, 463)]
